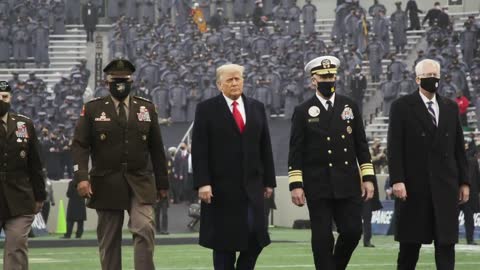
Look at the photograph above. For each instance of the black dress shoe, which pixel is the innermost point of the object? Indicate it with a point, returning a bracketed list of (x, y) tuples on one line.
[(369, 245), (65, 237)]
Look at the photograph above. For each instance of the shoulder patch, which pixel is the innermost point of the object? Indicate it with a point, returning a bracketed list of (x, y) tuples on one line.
[(142, 98), (95, 99), (22, 116)]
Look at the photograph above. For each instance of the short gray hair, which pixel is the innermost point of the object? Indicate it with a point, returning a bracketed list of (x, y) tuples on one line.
[(228, 67), (420, 65)]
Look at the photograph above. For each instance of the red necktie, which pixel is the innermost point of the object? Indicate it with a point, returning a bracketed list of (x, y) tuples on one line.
[(238, 117)]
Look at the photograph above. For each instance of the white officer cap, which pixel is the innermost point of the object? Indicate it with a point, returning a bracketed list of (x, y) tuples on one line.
[(323, 65)]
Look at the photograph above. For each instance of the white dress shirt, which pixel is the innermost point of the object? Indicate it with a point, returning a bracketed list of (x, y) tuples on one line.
[(324, 101), (190, 167), (240, 106), (434, 105)]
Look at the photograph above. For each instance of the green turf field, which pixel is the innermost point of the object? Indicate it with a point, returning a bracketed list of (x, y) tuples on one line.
[(276, 256)]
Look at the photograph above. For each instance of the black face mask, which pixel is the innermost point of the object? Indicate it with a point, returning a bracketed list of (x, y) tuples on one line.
[(430, 84), (326, 88), (120, 88), (4, 107)]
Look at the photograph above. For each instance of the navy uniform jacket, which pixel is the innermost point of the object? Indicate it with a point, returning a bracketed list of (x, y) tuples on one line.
[(120, 158), (326, 152)]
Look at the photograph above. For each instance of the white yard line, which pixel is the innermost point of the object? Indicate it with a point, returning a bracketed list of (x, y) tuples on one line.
[(310, 266)]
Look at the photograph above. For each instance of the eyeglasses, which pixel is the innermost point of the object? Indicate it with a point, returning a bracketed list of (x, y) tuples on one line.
[(428, 75)]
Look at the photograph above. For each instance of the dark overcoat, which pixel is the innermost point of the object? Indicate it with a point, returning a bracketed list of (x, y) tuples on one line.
[(238, 166), (431, 162), (76, 209)]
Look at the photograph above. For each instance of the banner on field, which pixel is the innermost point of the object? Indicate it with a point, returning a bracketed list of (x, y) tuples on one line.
[(383, 220)]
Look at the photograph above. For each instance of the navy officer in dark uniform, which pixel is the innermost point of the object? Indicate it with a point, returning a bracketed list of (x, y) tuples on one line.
[(120, 133), (327, 147)]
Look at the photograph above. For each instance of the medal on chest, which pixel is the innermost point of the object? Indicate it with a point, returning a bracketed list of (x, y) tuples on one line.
[(103, 118), (347, 114), (143, 115), (22, 132), (314, 111)]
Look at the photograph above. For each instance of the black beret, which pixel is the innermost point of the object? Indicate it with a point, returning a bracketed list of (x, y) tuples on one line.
[(4, 87), (119, 66)]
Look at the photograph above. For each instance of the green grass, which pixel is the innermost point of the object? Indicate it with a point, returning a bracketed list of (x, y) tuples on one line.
[(276, 256)]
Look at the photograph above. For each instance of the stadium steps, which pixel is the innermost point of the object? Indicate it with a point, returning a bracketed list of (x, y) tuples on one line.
[(64, 51), (378, 126)]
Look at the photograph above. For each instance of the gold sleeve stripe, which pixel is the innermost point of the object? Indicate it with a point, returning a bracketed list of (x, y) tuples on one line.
[(366, 165), (367, 169), (367, 172), (295, 176), (294, 172)]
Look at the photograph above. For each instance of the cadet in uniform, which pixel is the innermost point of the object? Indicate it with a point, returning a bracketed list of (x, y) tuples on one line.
[(22, 186), (119, 132), (327, 144)]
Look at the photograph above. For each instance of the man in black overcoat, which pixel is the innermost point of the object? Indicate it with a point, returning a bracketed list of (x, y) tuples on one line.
[(76, 211), (428, 170), (90, 19), (473, 205), (233, 171)]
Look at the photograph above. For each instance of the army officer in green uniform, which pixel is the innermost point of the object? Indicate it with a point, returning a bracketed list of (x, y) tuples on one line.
[(120, 133)]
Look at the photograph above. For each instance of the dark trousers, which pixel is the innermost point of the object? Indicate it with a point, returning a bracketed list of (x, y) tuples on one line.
[(469, 224), (190, 194), (414, 22), (177, 190), (347, 216), (409, 252), (90, 34), (66, 163), (161, 216), (463, 119), (367, 222), (225, 260), (45, 211), (70, 228)]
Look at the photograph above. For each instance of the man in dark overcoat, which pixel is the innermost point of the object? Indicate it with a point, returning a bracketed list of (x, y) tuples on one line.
[(76, 211), (90, 19), (233, 171), (428, 170), (473, 205)]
